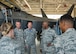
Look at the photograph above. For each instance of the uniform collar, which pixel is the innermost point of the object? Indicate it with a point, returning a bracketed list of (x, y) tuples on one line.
[(48, 28), (6, 37), (29, 29), (70, 29), (18, 29)]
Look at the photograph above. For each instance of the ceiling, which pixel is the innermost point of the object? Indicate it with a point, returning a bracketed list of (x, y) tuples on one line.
[(33, 6)]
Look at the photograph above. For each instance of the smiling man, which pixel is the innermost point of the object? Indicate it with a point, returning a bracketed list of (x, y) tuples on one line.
[(29, 35)]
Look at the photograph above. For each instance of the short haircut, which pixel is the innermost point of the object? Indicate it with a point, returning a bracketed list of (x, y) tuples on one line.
[(46, 22), (30, 22), (66, 18), (18, 21)]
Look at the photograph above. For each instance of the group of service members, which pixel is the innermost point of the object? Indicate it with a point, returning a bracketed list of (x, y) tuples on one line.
[(17, 41)]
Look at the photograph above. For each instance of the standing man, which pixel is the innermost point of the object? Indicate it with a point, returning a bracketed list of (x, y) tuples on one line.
[(30, 35), (46, 39), (66, 43), (19, 36)]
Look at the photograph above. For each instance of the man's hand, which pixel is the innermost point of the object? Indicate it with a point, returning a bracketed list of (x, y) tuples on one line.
[(41, 50)]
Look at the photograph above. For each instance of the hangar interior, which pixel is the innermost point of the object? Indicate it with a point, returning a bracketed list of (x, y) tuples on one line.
[(52, 8), (30, 10)]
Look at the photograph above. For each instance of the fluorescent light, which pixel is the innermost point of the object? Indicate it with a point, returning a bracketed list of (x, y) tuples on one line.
[(49, 16)]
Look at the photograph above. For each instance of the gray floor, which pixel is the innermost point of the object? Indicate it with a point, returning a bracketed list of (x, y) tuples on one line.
[(37, 46)]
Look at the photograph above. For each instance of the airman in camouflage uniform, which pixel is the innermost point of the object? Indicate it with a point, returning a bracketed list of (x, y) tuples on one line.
[(66, 43), (47, 38), (7, 46), (30, 35), (19, 39)]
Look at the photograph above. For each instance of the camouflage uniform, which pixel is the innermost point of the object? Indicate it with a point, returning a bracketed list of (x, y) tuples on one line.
[(66, 43), (8, 47), (46, 38), (30, 35), (0, 35), (19, 39)]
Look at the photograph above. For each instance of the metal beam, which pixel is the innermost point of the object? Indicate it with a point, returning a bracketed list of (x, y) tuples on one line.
[(4, 5)]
